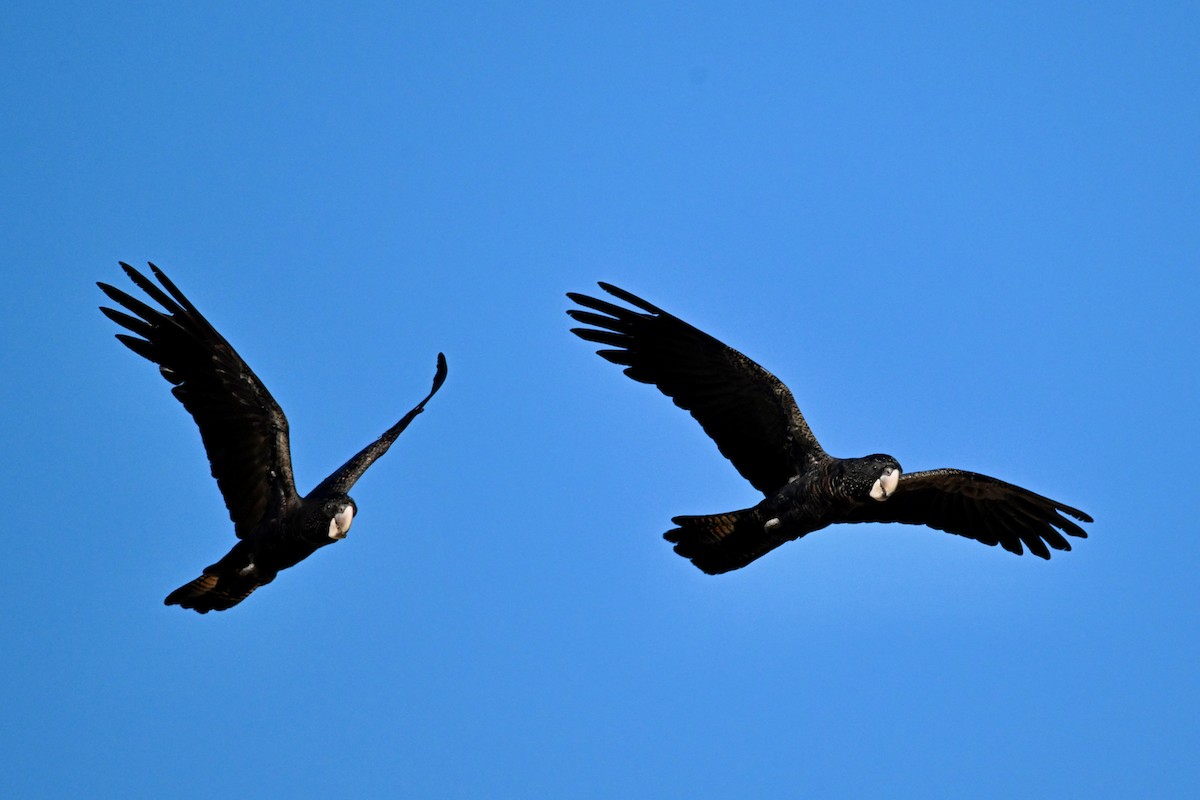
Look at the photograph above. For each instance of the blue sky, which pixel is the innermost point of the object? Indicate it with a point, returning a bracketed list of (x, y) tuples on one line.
[(965, 235)]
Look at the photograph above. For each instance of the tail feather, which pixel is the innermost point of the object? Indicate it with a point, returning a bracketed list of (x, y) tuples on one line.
[(719, 543), (213, 592)]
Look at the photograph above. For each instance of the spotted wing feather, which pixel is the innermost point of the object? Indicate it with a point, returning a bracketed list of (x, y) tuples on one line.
[(978, 507), (346, 475)]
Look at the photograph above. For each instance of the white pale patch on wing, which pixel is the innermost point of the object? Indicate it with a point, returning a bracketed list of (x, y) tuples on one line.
[(885, 485), (249, 569), (772, 524), (340, 524)]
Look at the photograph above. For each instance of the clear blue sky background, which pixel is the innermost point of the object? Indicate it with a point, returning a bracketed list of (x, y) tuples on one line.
[(966, 235)]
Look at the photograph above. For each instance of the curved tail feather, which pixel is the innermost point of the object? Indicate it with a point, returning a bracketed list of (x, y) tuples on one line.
[(719, 543), (214, 592)]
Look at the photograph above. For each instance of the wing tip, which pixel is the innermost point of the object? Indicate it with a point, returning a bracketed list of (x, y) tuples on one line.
[(1077, 514), (439, 377), (131, 271), (608, 308), (629, 297)]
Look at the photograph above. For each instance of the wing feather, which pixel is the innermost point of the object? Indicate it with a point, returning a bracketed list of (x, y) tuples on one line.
[(978, 507), (244, 431), (346, 475), (745, 409)]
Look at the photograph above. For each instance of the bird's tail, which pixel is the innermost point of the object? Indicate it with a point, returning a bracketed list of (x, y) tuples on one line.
[(719, 543), (214, 591)]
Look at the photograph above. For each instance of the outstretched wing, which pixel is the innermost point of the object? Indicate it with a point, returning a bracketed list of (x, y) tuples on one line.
[(746, 410), (985, 509), (244, 431), (345, 477)]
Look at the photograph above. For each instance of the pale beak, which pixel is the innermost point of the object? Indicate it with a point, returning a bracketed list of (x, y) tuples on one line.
[(885, 486), (340, 524)]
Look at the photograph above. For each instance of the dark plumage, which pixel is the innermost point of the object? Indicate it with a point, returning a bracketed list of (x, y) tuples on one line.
[(756, 425), (246, 437)]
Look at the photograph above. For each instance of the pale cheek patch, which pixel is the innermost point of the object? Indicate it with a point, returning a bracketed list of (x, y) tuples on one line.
[(340, 524), (890, 481), (885, 485)]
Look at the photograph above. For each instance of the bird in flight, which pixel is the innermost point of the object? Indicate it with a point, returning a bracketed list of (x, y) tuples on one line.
[(756, 424), (245, 435)]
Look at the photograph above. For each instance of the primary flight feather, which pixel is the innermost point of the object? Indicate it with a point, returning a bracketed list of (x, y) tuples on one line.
[(757, 425), (245, 435)]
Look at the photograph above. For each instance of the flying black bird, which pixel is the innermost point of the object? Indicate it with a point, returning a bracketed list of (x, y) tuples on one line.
[(246, 437), (756, 424)]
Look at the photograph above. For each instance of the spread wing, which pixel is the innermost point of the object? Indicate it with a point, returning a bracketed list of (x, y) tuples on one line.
[(746, 410), (985, 509), (345, 477), (244, 431)]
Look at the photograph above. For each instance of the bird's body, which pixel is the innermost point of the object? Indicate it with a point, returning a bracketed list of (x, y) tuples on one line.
[(830, 491), (756, 424), (274, 545), (245, 435)]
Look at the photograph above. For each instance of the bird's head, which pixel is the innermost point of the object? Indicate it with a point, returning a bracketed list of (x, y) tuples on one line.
[(340, 511), (874, 476)]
